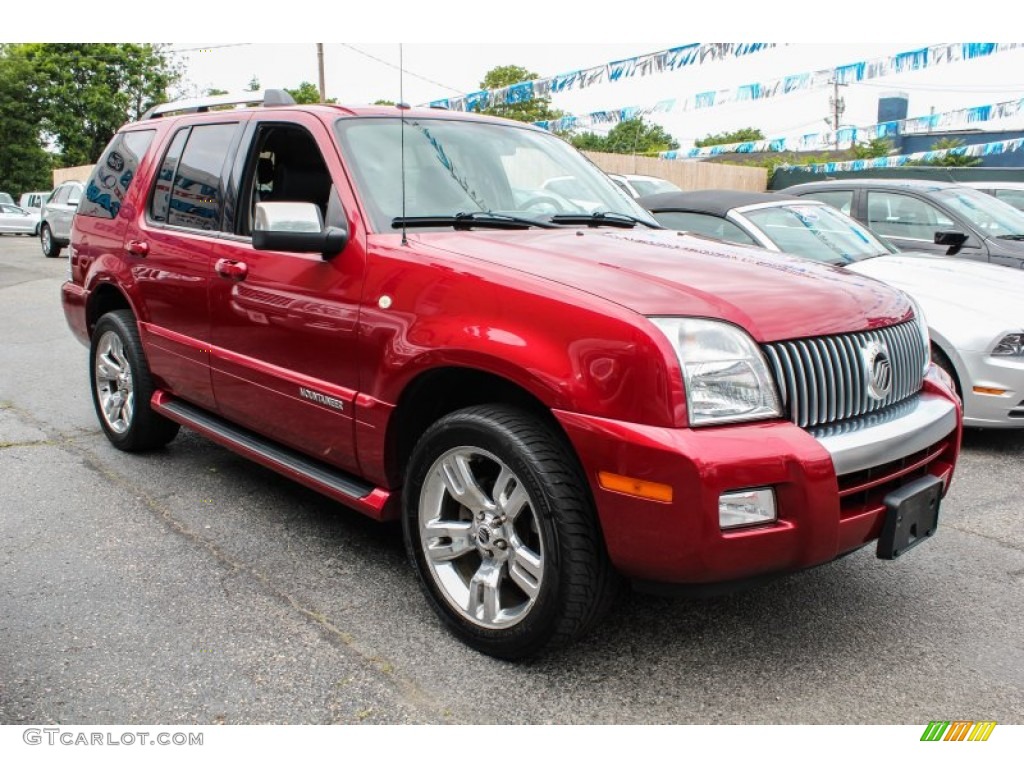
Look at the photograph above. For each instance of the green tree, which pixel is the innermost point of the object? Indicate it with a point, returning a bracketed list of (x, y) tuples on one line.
[(216, 92), (24, 163), (529, 111), (306, 93), (730, 137), (630, 137), (254, 84), (383, 103), (877, 147), (88, 90), (950, 159)]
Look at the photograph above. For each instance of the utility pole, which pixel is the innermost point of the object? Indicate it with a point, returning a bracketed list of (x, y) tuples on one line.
[(837, 106), (320, 67)]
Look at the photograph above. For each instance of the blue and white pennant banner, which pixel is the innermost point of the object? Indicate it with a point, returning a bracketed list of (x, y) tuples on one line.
[(668, 60), (871, 69), (847, 137), (895, 161)]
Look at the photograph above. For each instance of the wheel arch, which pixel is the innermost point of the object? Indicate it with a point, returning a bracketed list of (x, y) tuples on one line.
[(436, 392), (103, 298)]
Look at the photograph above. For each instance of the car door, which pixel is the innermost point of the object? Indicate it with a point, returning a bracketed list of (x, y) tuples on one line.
[(65, 211), (284, 324), (8, 218), (171, 246), (910, 223)]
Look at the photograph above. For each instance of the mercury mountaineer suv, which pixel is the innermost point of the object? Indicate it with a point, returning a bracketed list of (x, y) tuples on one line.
[(550, 392)]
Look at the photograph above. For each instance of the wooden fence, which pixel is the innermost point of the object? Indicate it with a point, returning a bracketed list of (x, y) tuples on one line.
[(687, 174)]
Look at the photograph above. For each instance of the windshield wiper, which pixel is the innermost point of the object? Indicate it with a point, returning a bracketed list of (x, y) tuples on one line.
[(1010, 237), (470, 220), (603, 218)]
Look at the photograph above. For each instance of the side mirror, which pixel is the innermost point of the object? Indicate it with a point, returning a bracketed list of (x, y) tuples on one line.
[(951, 238), (295, 228)]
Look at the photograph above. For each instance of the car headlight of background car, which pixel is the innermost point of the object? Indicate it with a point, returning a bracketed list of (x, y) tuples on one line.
[(726, 376), (1011, 345)]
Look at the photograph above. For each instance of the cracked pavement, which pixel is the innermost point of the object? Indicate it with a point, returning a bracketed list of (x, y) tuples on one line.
[(192, 586)]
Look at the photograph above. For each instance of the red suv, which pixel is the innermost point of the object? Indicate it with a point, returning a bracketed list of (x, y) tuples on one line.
[(550, 392)]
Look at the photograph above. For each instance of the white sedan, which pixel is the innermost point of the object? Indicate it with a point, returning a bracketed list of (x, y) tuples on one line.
[(974, 310), (15, 220)]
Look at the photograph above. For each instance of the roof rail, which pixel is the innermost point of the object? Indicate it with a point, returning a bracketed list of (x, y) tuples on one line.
[(272, 97)]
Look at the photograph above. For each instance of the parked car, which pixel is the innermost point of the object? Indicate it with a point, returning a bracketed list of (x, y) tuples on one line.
[(33, 201), (547, 401), (973, 309), (638, 186), (56, 215), (933, 216), (1010, 192), (18, 221)]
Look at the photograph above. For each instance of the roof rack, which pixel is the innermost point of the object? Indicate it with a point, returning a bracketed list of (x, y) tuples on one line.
[(272, 97)]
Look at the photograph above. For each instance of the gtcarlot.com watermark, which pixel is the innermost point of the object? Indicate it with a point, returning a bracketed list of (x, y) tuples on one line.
[(70, 737)]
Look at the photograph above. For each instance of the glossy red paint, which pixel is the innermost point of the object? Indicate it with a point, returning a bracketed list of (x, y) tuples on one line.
[(560, 314)]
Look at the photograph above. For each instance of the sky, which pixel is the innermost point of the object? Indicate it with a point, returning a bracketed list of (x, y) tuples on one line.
[(360, 73), (449, 45)]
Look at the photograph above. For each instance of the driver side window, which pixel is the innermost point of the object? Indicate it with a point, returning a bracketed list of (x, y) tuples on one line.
[(285, 165), (894, 215)]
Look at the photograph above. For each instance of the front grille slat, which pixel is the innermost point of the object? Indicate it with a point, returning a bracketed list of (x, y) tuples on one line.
[(822, 380)]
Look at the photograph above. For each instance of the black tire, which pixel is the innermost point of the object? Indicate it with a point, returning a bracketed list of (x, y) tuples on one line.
[(578, 583), (51, 248), (143, 429), (941, 359)]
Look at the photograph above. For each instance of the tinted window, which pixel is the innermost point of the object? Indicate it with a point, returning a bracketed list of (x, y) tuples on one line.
[(841, 199), (703, 224), (162, 190), (895, 215), (197, 194), (111, 178)]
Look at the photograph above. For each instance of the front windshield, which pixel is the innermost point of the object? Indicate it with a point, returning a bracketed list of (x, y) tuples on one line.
[(817, 232), (462, 166), (992, 216), (653, 186)]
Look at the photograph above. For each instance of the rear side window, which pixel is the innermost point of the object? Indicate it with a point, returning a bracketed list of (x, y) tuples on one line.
[(840, 198), (190, 188), (113, 175)]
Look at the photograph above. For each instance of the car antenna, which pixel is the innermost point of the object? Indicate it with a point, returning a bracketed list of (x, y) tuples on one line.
[(402, 105)]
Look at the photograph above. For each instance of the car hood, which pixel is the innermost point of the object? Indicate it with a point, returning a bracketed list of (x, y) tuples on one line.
[(976, 286), (772, 296)]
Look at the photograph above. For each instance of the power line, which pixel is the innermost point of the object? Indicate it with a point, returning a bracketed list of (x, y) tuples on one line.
[(206, 47), (395, 66)]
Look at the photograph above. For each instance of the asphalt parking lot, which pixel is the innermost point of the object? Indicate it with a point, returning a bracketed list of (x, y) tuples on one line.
[(192, 586)]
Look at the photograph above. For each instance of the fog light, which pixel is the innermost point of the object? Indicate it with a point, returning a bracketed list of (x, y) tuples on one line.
[(743, 508)]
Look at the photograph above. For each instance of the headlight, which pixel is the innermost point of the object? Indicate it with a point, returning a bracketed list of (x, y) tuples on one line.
[(1011, 345), (922, 326), (726, 375)]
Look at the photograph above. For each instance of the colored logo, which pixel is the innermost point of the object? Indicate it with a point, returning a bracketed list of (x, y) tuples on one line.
[(958, 730)]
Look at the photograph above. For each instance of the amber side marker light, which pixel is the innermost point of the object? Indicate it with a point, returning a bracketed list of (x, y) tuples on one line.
[(632, 486), (989, 391)]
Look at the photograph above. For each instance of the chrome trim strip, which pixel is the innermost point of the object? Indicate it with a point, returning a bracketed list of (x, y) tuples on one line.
[(887, 436)]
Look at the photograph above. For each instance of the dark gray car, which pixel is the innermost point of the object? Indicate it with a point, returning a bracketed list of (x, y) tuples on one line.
[(56, 216), (933, 216)]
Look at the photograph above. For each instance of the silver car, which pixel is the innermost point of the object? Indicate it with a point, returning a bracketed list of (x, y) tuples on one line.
[(56, 216), (18, 221), (974, 310)]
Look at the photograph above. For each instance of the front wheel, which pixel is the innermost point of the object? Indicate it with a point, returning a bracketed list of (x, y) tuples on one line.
[(51, 249), (122, 386), (500, 527)]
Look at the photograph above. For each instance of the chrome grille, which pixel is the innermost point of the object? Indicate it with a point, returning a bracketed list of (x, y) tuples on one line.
[(824, 380)]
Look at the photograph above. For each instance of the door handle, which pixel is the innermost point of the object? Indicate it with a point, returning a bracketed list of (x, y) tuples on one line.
[(137, 248), (235, 270)]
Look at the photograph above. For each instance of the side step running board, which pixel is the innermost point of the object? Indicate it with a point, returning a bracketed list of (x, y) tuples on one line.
[(328, 480)]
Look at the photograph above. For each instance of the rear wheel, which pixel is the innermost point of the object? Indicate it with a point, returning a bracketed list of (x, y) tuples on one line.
[(51, 249), (122, 386), (500, 527)]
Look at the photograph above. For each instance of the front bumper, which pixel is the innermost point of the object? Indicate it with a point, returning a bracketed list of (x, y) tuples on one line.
[(822, 513), (992, 410)]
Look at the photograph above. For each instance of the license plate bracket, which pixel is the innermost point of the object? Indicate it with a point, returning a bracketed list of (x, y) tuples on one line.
[(912, 515)]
